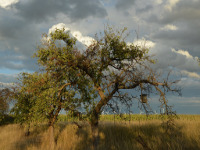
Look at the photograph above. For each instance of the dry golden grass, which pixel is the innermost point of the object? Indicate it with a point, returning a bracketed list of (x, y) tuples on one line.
[(121, 135)]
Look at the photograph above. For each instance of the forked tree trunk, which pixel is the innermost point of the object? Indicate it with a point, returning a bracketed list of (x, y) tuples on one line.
[(95, 130), (51, 138)]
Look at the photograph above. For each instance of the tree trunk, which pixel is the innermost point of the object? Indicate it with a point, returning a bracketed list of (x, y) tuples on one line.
[(95, 136), (52, 120), (95, 130), (51, 138), (27, 132)]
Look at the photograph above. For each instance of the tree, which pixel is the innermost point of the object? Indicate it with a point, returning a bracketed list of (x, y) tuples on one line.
[(107, 68), (41, 95), (29, 108), (52, 57), (39, 99), (5, 99), (3, 103)]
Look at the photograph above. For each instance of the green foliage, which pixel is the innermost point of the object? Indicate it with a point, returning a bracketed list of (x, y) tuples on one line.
[(6, 119), (26, 97), (41, 95), (101, 71), (5, 99), (71, 78), (61, 63), (38, 98)]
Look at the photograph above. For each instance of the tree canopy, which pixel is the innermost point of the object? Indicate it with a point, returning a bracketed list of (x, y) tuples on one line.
[(90, 78), (103, 70)]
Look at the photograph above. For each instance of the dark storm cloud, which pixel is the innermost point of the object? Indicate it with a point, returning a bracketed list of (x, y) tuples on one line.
[(184, 11), (16, 61), (183, 38), (16, 46), (166, 58), (154, 16), (186, 17), (11, 26), (40, 11), (147, 8), (20, 27), (124, 4), (17, 41), (190, 87)]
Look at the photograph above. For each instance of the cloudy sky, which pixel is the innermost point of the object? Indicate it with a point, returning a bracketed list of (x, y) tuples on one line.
[(171, 28)]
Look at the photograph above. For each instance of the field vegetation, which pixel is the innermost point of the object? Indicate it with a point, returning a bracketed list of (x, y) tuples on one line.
[(116, 133)]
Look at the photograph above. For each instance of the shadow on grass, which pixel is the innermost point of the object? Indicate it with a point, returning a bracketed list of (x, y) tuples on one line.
[(34, 139), (144, 137), (59, 129)]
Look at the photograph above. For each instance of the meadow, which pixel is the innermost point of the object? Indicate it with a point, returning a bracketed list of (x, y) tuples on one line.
[(125, 132)]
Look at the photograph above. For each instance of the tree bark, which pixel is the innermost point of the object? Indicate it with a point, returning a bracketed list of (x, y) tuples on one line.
[(27, 132), (52, 120), (95, 130), (51, 138)]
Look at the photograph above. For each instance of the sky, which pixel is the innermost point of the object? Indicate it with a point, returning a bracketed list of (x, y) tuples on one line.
[(170, 28)]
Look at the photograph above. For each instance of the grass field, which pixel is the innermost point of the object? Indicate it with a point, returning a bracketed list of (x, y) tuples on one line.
[(115, 134)]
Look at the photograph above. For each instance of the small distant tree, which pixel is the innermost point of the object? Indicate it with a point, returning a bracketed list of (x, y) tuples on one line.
[(3, 103), (104, 71), (5, 99)]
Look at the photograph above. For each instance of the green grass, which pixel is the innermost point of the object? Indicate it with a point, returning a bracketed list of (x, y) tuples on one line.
[(132, 117)]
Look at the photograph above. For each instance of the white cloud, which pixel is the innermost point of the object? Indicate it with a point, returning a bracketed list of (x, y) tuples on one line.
[(170, 4), (191, 74), (86, 40), (185, 53), (144, 43), (6, 3), (169, 27), (58, 26)]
